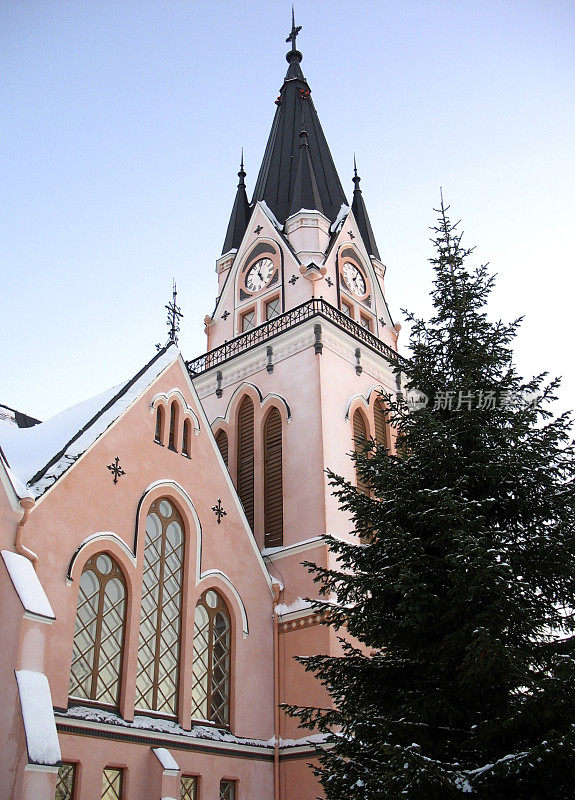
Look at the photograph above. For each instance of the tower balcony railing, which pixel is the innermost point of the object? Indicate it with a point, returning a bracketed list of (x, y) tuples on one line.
[(316, 307)]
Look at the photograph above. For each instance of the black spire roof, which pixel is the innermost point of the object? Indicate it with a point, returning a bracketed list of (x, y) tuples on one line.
[(361, 217), (288, 168), (240, 214)]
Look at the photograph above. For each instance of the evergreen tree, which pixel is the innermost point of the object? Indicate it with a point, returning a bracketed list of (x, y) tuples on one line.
[(460, 584)]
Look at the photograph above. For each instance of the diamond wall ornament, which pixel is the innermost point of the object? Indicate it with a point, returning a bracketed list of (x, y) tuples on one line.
[(116, 469), (219, 511)]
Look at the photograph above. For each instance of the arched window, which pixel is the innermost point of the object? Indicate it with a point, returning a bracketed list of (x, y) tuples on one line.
[(187, 438), (359, 435), (381, 423), (160, 621), (173, 425), (159, 424), (222, 443), (246, 458), (99, 634), (273, 490), (211, 667)]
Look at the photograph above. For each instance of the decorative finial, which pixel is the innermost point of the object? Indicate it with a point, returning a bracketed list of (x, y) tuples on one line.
[(356, 179), (294, 30), (174, 317), (242, 173)]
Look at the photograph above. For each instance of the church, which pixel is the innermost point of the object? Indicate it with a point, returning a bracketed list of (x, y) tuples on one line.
[(152, 589)]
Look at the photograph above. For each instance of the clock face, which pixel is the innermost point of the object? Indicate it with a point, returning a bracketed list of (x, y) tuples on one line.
[(354, 278), (259, 275)]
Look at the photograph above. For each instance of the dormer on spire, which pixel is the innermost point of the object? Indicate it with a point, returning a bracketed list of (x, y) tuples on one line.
[(240, 216), (305, 192), (361, 216)]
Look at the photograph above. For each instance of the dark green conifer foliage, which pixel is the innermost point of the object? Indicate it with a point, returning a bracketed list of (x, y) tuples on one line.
[(461, 592)]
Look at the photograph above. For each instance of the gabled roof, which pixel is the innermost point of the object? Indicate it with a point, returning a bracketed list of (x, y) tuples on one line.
[(278, 173), (36, 457)]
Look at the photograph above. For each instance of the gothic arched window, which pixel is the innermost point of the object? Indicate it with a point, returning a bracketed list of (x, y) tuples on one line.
[(160, 621), (381, 424), (245, 481), (273, 490), (211, 665), (99, 635), (159, 424), (359, 436), (222, 443), (187, 438), (173, 425)]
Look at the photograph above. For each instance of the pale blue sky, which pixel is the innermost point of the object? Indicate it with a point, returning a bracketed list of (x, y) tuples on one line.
[(121, 126)]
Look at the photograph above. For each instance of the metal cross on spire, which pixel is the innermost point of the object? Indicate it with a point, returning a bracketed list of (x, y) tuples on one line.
[(174, 317), (295, 29)]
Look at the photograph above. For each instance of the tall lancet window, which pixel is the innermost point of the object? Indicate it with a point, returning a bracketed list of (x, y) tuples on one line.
[(99, 634), (381, 424), (160, 621), (159, 424), (359, 436), (273, 490), (211, 666), (246, 458)]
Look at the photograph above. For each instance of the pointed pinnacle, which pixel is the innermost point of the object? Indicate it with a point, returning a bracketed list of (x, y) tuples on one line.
[(242, 173), (356, 179)]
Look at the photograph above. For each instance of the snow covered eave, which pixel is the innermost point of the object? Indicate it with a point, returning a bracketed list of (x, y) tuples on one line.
[(270, 215), (38, 718), (339, 220)]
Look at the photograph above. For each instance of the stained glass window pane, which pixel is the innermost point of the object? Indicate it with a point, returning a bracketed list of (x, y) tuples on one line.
[(99, 635), (188, 788), (65, 782), (112, 784), (159, 647)]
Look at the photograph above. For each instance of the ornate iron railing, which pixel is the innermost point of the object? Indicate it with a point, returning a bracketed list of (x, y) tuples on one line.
[(316, 307)]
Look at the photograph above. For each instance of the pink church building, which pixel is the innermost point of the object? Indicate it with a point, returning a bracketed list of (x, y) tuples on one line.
[(151, 582)]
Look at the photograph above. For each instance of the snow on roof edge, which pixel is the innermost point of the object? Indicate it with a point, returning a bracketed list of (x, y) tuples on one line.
[(27, 584), (75, 446)]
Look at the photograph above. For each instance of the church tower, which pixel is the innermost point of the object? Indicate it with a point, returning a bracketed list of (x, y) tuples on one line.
[(298, 357)]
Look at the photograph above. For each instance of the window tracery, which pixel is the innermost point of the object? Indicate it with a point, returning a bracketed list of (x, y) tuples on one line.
[(160, 622), (211, 660), (99, 632)]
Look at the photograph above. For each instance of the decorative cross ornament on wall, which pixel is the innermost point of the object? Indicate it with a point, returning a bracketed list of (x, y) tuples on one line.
[(293, 279), (258, 230), (116, 469), (219, 511), (351, 235), (329, 281), (225, 315)]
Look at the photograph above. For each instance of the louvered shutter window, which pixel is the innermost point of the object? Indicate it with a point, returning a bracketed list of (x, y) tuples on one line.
[(273, 491), (159, 424), (186, 439), (246, 458), (222, 443), (381, 424), (173, 413), (359, 434)]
